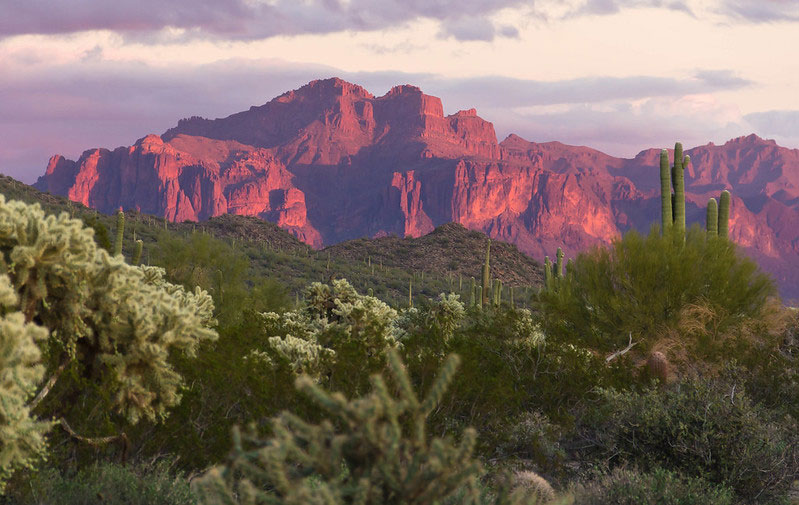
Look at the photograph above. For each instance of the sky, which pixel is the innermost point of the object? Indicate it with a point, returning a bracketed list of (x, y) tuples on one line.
[(617, 75)]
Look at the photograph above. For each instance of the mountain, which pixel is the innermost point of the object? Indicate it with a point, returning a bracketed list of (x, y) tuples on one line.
[(331, 162)]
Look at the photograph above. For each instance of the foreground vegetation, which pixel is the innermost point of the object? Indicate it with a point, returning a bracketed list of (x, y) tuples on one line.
[(658, 370)]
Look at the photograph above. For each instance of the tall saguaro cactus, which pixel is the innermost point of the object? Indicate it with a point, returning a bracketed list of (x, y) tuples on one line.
[(559, 263), (547, 273), (472, 298), (497, 293), (724, 214), (712, 219), (137, 255), (667, 218), (487, 275), (120, 233), (678, 180)]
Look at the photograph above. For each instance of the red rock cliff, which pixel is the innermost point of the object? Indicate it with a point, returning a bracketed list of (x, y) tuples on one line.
[(331, 162)]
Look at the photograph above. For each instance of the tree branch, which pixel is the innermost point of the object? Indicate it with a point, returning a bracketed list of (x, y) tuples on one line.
[(48, 386), (623, 351), (98, 441)]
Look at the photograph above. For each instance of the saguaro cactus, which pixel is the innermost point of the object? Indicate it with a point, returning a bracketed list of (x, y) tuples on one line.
[(497, 293), (487, 274), (137, 254), (120, 233), (665, 191), (410, 293), (712, 220), (547, 273), (472, 297), (724, 214), (678, 180), (559, 263)]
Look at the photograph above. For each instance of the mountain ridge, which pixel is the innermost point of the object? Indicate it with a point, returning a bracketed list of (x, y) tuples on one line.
[(332, 162)]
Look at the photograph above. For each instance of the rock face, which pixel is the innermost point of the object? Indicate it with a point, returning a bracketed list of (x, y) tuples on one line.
[(330, 162)]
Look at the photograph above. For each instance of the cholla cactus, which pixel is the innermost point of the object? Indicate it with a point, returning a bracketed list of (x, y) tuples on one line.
[(121, 320), (437, 320), (21, 435), (371, 450), (333, 315)]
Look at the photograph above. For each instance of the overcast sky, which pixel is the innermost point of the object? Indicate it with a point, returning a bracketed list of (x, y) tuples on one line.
[(617, 75)]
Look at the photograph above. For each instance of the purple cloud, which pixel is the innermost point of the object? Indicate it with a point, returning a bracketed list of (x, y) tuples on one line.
[(761, 11), (241, 19)]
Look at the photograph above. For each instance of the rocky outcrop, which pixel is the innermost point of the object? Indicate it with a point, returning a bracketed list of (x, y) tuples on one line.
[(331, 162)]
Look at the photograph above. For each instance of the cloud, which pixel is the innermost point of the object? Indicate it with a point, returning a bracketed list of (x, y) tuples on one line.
[(782, 125), (158, 21), (722, 79), (760, 11), (243, 19), (609, 7), (624, 128), (509, 92), (475, 28)]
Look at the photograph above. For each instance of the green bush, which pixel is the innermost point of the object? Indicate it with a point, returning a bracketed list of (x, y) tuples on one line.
[(658, 487), (641, 286), (109, 484), (533, 437), (204, 261), (371, 450), (705, 429)]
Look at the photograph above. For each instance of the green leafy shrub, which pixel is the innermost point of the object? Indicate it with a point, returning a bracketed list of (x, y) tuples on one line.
[(703, 429), (101, 235), (641, 286), (534, 438), (658, 487), (371, 450), (214, 265), (110, 484), (509, 368)]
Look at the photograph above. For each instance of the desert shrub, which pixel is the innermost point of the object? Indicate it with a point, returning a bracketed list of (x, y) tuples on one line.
[(658, 487), (110, 484), (370, 450), (215, 266), (709, 430), (101, 235), (509, 368), (533, 437), (770, 372), (641, 286)]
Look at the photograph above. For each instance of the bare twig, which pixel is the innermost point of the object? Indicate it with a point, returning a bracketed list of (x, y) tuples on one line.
[(50, 382), (98, 441), (623, 351)]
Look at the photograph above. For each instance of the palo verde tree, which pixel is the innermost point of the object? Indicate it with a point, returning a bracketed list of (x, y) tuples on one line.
[(77, 317), (640, 286)]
